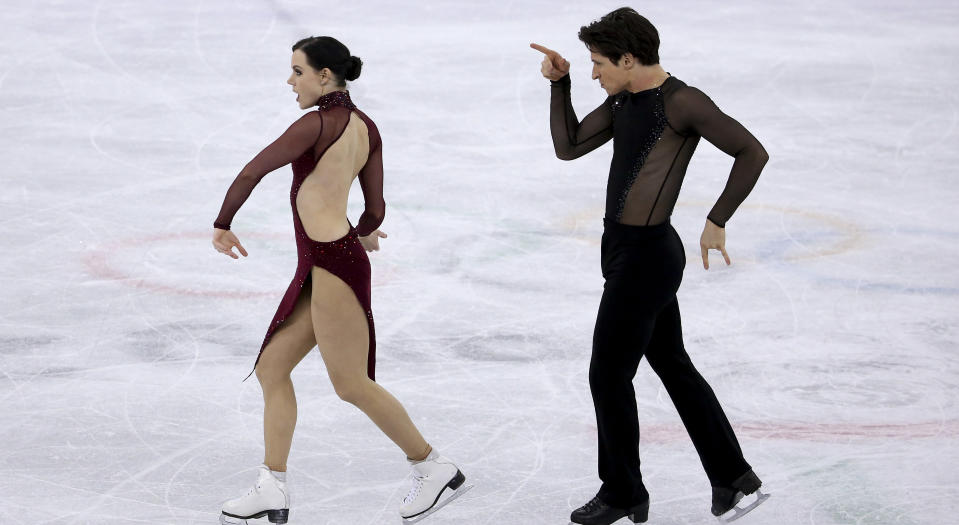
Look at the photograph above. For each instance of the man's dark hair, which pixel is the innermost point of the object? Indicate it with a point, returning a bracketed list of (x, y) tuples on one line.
[(623, 31)]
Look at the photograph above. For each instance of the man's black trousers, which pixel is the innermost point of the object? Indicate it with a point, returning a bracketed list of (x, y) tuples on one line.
[(639, 316)]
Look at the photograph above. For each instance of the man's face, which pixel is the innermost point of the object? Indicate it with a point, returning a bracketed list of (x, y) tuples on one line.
[(612, 77)]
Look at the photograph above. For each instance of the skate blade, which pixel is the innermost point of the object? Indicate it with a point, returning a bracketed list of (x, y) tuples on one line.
[(229, 520), (439, 505), (275, 516), (738, 512)]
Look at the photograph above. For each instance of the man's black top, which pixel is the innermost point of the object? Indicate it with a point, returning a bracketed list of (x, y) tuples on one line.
[(655, 133)]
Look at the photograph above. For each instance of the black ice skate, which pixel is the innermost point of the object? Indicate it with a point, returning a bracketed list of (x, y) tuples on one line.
[(725, 499), (597, 512)]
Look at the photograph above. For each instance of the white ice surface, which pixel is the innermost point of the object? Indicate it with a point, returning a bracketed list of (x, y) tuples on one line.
[(831, 341)]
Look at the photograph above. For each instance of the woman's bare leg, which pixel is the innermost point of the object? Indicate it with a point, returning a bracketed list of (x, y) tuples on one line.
[(288, 346), (342, 335)]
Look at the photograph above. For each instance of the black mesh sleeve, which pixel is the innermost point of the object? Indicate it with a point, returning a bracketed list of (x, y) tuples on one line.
[(299, 137), (571, 138), (695, 113), (371, 182)]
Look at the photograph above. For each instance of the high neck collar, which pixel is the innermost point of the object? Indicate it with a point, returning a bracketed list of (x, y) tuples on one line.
[(335, 98), (652, 89)]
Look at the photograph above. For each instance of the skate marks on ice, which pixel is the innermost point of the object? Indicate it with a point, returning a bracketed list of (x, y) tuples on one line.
[(822, 234), (135, 262), (170, 264), (803, 241), (658, 433), (94, 435)]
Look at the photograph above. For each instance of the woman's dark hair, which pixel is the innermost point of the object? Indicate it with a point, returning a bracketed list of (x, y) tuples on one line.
[(326, 51), (622, 31)]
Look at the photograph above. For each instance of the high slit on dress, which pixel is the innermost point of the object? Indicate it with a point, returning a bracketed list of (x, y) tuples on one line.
[(309, 138), (346, 259)]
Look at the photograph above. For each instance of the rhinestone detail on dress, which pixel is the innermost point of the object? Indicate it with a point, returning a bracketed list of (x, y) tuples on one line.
[(335, 98)]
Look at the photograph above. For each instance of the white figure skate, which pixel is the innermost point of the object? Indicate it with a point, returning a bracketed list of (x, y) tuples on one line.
[(268, 497), (436, 482)]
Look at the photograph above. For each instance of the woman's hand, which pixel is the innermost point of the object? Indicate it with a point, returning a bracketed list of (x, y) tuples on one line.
[(713, 238), (554, 66), (372, 241), (224, 241)]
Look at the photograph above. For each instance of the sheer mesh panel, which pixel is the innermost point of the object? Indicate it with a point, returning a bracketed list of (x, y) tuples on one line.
[(316, 131), (655, 133)]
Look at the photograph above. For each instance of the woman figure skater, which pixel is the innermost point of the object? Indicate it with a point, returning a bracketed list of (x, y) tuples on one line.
[(328, 303)]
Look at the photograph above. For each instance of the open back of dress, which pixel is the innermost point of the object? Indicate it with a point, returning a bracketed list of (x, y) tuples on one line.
[(305, 145)]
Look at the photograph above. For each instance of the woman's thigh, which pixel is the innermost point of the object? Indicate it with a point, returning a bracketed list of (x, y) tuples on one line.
[(291, 342), (340, 328)]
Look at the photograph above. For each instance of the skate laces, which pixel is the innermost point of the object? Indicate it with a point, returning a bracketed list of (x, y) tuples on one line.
[(417, 486), (593, 504)]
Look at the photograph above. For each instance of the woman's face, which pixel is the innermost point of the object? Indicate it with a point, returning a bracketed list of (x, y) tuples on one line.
[(308, 83)]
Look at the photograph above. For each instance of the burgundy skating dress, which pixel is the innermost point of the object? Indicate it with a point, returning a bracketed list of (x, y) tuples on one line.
[(303, 145)]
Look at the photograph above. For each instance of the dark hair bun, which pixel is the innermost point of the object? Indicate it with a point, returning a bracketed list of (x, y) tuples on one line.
[(353, 67)]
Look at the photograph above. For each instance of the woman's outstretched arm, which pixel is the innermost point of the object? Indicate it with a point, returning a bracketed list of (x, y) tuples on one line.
[(297, 139)]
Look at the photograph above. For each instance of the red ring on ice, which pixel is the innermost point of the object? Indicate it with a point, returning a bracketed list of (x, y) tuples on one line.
[(98, 264)]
